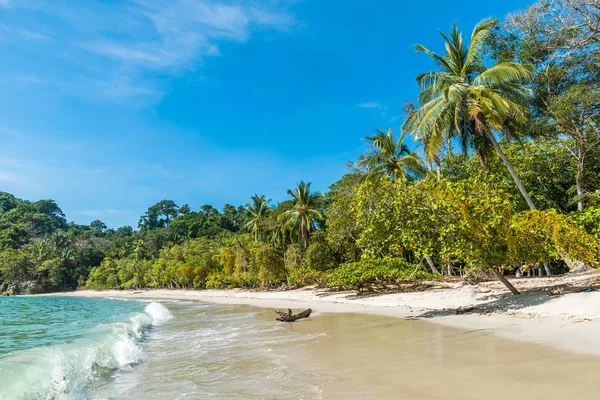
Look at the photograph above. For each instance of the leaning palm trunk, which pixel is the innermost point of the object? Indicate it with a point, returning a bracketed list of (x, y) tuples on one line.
[(511, 170)]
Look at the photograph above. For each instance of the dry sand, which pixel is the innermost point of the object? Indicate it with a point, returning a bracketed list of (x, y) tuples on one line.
[(569, 321)]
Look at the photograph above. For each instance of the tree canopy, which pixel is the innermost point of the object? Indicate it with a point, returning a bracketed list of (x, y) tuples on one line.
[(511, 118)]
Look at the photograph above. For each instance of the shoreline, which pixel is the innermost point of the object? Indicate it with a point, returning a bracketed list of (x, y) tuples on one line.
[(568, 321)]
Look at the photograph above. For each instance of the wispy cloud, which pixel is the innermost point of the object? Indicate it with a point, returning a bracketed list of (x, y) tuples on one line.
[(10, 131), (27, 34), (103, 212), (130, 49), (375, 105), (370, 104)]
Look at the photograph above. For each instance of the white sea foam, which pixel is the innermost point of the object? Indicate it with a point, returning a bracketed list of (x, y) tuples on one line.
[(64, 371), (159, 313)]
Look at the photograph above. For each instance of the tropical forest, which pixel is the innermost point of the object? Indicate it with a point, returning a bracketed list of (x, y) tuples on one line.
[(493, 172)]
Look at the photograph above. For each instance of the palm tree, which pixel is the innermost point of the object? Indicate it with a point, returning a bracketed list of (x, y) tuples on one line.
[(391, 158), (259, 211), (466, 100), (304, 212)]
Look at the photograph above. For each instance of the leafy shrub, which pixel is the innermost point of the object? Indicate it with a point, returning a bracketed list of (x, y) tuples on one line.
[(542, 236), (369, 272), (294, 258), (271, 267), (319, 255), (588, 219), (220, 280), (303, 277)]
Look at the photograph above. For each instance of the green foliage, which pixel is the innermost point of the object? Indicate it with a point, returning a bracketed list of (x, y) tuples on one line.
[(299, 274), (391, 159), (305, 212), (589, 219), (541, 236), (220, 280), (375, 272), (342, 231), (320, 256), (270, 264)]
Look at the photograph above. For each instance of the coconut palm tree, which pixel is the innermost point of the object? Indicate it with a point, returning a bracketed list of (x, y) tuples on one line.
[(259, 210), (391, 158), (305, 211), (470, 102)]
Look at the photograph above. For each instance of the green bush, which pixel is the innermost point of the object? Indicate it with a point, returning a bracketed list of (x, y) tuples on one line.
[(319, 255), (294, 258), (270, 264), (220, 280), (372, 272), (303, 277)]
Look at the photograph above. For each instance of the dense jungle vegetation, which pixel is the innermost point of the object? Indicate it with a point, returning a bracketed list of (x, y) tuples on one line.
[(506, 179)]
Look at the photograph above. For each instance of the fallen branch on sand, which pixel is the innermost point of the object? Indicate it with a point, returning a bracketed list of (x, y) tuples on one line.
[(465, 309), (289, 317), (457, 285)]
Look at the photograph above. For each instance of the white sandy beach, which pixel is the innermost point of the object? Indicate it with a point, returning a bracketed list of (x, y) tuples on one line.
[(569, 321)]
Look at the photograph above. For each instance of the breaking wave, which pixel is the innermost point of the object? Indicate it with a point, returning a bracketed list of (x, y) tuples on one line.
[(70, 369)]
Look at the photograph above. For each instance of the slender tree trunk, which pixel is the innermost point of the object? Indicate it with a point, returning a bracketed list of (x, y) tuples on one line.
[(305, 234), (431, 265), (511, 170), (579, 182), (482, 160), (499, 274), (547, 269)]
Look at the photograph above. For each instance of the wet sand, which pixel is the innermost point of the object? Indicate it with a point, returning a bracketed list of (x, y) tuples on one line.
[(374, 357), (569, 322)]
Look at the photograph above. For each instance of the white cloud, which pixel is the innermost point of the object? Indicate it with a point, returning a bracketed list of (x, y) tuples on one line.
[(370, 104), (27, 34), (375, 105), (130, 49), (10, 131), (103, 212), (9, 177)]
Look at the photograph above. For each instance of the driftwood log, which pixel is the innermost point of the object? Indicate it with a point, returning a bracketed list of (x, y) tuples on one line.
[(448, 285), (290, 317), (465, 309)]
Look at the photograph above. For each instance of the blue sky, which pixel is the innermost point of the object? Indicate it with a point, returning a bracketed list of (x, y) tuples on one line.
[(110, 106)]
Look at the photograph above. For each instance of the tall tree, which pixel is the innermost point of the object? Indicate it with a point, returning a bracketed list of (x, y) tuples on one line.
[(160, 215), (562, 39), (576, 114), (391, 158), (560, 28), (305, 211), (469, 101), (259, 210)]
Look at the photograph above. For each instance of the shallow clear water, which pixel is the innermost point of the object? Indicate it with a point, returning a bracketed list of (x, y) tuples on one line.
[(28, 322), (213, 351), (63, 348)]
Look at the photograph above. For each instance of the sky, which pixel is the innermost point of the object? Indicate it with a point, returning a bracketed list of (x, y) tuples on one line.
[(108, 106)]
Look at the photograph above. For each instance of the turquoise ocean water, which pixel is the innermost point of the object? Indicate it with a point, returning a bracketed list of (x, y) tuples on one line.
[(67, 348), (53, 347)]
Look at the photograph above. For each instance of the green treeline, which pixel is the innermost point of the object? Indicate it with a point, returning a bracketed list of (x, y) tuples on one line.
[(507, 180)]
